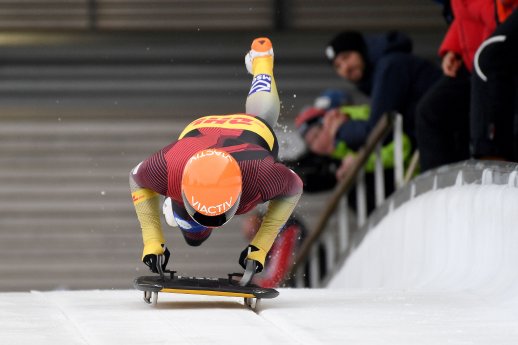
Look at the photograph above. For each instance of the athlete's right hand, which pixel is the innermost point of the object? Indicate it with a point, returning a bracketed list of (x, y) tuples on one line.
[(251, 252), (155, 254)]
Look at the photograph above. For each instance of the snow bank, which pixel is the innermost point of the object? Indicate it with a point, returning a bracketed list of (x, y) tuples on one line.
[(455, 239)]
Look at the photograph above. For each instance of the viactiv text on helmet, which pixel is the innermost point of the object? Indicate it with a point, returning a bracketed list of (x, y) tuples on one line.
[(211, 209), (210, 152)]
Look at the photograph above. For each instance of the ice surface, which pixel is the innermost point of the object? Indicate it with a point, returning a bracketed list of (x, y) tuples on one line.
[(439, 270)]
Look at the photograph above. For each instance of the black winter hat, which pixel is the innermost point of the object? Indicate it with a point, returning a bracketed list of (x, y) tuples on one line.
[(346, 41)]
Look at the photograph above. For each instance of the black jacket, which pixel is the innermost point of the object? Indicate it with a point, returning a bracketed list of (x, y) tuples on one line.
[(395, 80)]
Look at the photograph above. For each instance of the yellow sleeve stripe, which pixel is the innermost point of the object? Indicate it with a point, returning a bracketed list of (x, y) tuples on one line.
[(142, 195), (277, 213), (236, 121)]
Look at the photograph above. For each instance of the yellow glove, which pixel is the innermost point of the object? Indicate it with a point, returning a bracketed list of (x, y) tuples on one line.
[(155, 254), (155, 248), (253, 253)]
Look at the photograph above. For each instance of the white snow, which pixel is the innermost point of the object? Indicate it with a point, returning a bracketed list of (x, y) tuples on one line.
[(441, 269)]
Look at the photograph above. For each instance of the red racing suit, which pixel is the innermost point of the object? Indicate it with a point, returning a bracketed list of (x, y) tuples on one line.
[(255, 150), (252, 143)]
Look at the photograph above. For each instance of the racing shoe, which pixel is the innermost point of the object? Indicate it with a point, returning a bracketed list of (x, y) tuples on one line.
[(261, 47)]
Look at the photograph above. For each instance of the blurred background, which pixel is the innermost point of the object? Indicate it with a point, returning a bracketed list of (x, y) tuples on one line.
[(89, 88)]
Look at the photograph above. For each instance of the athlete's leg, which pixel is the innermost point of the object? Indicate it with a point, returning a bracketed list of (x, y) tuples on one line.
[(262, 100)]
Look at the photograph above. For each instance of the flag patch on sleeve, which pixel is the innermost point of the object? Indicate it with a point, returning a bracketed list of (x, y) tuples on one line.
[(261, 82)]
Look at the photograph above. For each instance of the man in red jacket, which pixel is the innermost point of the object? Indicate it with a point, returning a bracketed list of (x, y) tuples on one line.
[(220, 165), (442, 119), (494, 107)]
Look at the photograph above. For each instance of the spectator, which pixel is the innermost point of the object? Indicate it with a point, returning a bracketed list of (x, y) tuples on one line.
[(442, 122), (495, 90), (318, 171), (319, 124), (382, 67), (320, 130)]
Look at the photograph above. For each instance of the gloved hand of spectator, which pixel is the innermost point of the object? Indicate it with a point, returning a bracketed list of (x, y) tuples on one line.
[(156, 256), (251, 252)]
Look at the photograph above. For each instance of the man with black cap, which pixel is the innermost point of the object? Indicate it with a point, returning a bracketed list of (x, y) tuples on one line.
[(383, 68)]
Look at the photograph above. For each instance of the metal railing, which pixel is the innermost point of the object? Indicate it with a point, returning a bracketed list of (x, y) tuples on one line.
[(323, 247)]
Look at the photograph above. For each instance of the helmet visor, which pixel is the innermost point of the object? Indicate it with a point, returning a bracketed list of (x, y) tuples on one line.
[(184, 221), (211, 220)]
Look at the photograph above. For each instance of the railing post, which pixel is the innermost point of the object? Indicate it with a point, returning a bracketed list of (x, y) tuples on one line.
[(398, 152), (361, 198), (379, 180), (414, 161), (343, 225), (300, 275), (314, 267), (330, 251)]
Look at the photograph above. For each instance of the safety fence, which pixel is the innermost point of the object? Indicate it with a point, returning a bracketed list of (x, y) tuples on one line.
[(324, 247)]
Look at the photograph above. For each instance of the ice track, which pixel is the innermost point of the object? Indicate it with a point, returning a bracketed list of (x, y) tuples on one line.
[(441, 269)]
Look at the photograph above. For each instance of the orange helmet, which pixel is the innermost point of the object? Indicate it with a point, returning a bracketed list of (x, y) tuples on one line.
[(211, 187)]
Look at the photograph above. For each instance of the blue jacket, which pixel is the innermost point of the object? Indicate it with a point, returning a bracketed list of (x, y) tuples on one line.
[(395, 80)]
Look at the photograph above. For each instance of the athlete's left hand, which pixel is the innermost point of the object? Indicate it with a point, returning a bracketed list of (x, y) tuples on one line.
[(156, 257)]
